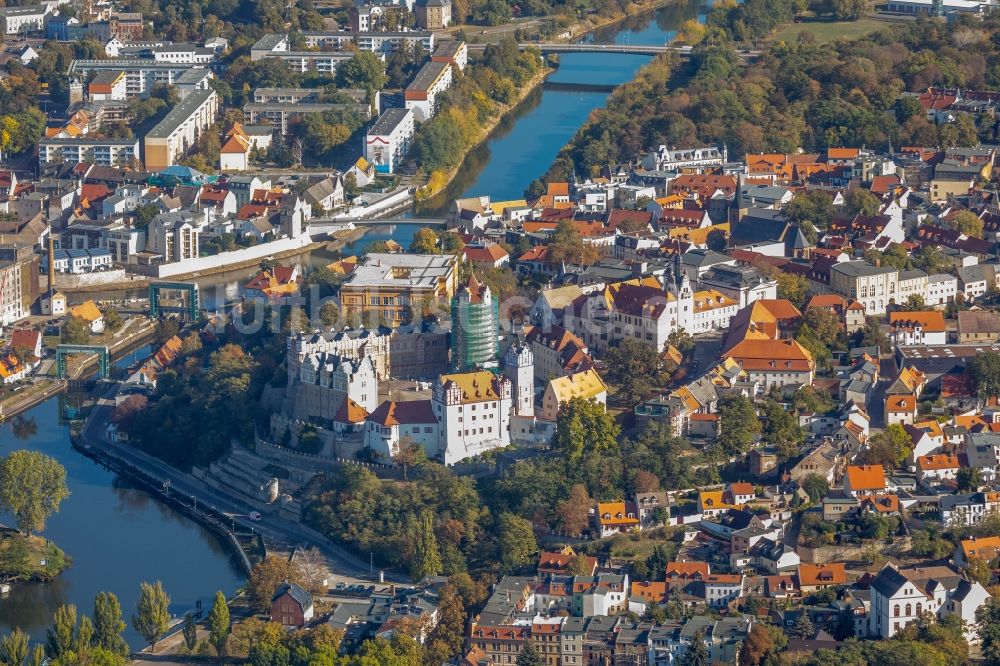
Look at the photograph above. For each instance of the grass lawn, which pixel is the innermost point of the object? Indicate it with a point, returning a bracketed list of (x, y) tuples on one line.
[(828, 31)]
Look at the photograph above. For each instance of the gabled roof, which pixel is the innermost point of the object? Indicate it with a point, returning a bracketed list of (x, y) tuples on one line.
[(866, 477), (303, 598), (88, 311), (391, 413), (831, 573)]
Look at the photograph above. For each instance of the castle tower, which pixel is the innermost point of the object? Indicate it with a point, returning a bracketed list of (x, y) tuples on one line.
[(475, 325), (519, 367)]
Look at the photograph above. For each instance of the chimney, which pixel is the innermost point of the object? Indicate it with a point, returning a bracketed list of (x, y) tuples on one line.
[(52, 269)]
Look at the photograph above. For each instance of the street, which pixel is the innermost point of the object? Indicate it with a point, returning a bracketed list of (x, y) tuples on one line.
[(342, 565)]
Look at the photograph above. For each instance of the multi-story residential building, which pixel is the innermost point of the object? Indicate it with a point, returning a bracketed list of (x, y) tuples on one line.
[(421, 95), (141, 74), (911, 283), (281, 114), (475, 327), (433, 14), (941, 289), (13, 275), (743, 284), (174, 236), (24, 19), (875, 287), (713, 311), (389, 139), (454, 51), (104, 152), (173, 136), (108, 84), (396, 288), (556, 352)]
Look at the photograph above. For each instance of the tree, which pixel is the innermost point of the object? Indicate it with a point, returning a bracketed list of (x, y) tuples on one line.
[(815, 486), (425, 559), (738, 423), (109, 624), (861, 202), (988, 630), (190, 632), (152, 613), (980, 571), (782, 430), (583, 426), (812, 207), (566, 245), (965, 222), (793, 287), (635, 367), (757, 647), (32, 486), (889, 447), (218, 625), (914, 303), (75, 331), (14, 648), (872, 336), (985, 371), (808, 399), (516, 541), (365, 70), (716, 240), (530, 656), (697, 652), (425, 241), (969, 479), (266, 576), (574, 512), (803, 627), (59, 639)]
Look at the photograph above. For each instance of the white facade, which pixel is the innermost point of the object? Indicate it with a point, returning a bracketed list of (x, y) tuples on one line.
[(941, 289), (103, 152), (474, 412), (518, 366), (874, 287), (389, 139)]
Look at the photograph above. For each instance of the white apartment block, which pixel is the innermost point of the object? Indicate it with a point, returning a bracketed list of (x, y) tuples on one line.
[(875, 287), (421, 95), (141, 74), (389, 139), (941, 289), (173, 136), (104, 152)]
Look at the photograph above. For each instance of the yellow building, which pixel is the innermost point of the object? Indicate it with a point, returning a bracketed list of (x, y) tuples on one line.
[(394, 289), (587, 385)]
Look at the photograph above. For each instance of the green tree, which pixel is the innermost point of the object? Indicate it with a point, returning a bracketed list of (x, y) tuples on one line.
[(109, 624), (75, 331), (516, 542), (697, 652), (635, 368), (530, 656), (793, 287), (969, 479), (781, 430), (815, 486), (985, 372), (808, 399), (812, 207), (152, 614), (59, 639), (365, 70), (738, 423), (965, 222), (14, 648), (32, 486), (190, 632), (426, 558), (861, 202), (716, 240), (218, 625), (803, 627), (889, 447), (583, 426), (988, 630)]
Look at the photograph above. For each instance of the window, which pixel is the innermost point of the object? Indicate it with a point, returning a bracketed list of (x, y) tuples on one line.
[(895, 610), (909, 609)]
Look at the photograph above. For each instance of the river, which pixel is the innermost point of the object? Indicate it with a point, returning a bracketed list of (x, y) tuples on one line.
[(119, 536)]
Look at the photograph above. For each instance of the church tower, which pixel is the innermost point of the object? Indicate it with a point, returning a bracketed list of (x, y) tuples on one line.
[(519, 367)]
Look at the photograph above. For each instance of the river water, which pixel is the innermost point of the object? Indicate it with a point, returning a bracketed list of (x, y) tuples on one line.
[(119, 536)]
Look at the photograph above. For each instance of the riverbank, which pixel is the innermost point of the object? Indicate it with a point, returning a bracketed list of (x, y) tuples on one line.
[(439, 181), (581, 28), (29, 558)]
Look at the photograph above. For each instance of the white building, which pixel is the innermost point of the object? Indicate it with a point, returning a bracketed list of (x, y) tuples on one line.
[(421, 95), (24, 19), (174, 236), (899, 597), (179, 130), (103, 152), (389, 139), (941, 289), (713, 311), (518, 366), (875, 287)]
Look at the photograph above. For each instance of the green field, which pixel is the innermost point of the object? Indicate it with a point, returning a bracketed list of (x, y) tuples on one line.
[(828, 31)]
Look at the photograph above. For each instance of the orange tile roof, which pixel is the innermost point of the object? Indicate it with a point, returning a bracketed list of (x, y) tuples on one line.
[(985, 548), (650, 591), (901, 404), (87, 311), (866, 477), (881, 503), (831, 573), (687, 569), (771, 354), (931, 321), (616, 514), (938, 461), (741, 488)]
